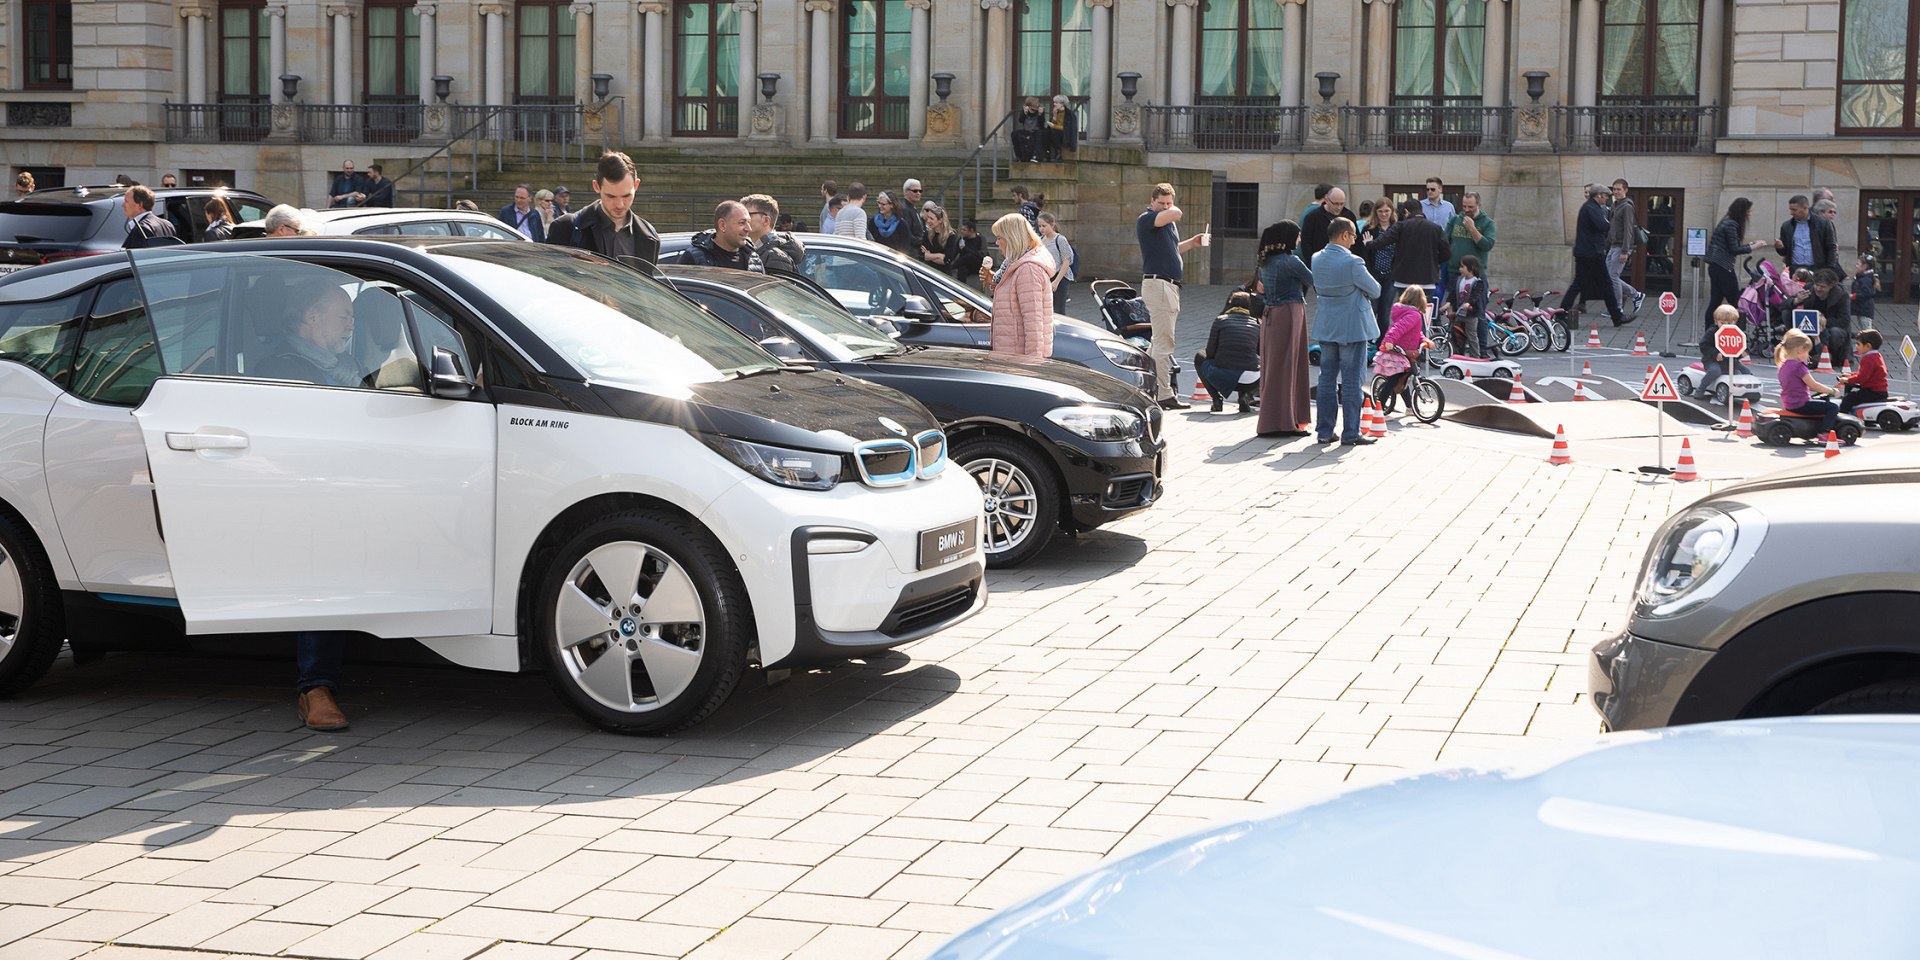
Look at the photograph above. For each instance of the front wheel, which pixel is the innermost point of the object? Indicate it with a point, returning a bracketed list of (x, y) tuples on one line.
[(644, 622), (1453, 372), (1022, 498), (1512, 343), (1442, 349), (1684, 384), (1538, 336), (1560, 335), (32, 620), (1427, 401), (1848, 434), (1896, 696), (1722, 395)]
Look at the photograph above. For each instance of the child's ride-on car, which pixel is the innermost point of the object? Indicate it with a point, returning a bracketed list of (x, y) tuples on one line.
[(1891, 414), (1778, 428), (1460, 367), (1744, 385)]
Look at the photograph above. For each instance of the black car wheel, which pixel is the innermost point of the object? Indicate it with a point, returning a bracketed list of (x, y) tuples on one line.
[(32, 621), (1022, 498), (643, 622), (1896, 696)]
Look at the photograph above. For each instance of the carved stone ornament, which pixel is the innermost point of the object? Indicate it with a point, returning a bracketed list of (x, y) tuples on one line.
[(496, 9), (1183, 3), (427, 8), (281, 117), (1126, 119), (343, 11), (579, 7), (195, 13), (747, 6), (1530, 123), (1100, 3), (280, 10), (437, 118), (920, 4), (763, 119), (1321, 120), (31, 114), (596, 117), (996, 4), (940, 119), (656, 7), (819, 6)]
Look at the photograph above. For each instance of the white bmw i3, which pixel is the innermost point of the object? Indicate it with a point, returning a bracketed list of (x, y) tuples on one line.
[(523, 457)]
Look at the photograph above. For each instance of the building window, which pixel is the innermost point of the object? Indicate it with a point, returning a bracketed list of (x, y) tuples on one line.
[(393, 52), (1239, 206), (243, 52), (545, 64), (706, 69), (1650, 52), (1240, 51), (1437, 47), (48, 32), (876, 39), (1053, 50), (1877, 47)]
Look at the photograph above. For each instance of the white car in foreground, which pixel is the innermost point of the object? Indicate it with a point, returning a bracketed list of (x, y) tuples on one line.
[(1754, 839), (522, 456)]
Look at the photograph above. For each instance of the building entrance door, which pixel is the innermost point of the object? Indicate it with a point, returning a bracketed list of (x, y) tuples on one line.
[(1890, 230)]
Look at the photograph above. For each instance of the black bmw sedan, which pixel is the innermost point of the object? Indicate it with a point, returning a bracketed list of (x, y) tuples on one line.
[(1053, 445)]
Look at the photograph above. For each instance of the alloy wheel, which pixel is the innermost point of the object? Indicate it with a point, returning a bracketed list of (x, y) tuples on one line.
[(1011, 505), (630, 626)]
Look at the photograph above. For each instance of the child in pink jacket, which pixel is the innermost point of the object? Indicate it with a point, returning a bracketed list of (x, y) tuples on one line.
[(1400, 346)]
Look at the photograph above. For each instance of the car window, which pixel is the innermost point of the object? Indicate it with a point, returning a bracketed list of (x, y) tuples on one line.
[(242, 210), (737, 315), (863, 285), (119, 358), (957, 303), (803, 308), (42, 335), (180, 212), (383, 230), (426, 228), (474, 228)]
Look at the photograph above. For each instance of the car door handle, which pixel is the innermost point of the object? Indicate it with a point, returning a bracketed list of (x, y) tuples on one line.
[(206, 441)]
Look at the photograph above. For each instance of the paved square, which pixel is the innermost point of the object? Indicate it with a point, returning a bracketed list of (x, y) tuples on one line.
[(1290, 619)]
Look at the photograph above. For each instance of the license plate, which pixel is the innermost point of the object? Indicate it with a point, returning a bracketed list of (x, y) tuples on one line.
[(943, 545), (11, 267)]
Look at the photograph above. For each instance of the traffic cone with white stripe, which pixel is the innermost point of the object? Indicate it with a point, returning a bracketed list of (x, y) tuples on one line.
[(1586, 368), (1593, 338), (1516, 395), (1640, 345), (1200, 394), (1561, 452), (1579, 390), (1685, 472), (1746, 421), (1376, 427), (1833, 445), (1824, 367)]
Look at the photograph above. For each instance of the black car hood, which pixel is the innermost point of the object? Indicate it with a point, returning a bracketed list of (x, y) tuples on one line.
[(1000, 372), (788, 408)]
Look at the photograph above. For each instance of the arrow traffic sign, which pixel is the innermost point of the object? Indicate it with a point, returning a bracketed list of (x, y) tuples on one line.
[(1659, 386), (1730, 341), (1669, 303)]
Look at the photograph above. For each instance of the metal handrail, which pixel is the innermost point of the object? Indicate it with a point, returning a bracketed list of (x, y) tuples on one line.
[(447, 149), (1239, 128), (957, 211), (1659, 128)]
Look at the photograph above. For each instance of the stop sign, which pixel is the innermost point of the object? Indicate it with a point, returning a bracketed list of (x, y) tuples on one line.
[(1669, 303), (1730, 341)]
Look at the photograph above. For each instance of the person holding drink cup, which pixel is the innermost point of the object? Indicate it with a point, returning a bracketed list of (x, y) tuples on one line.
[(1158, 232)]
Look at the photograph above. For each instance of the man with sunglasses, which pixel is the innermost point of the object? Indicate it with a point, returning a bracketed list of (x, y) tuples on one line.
[(1438, 209)]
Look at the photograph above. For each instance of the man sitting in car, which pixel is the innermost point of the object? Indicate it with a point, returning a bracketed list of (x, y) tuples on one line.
[(318, 330), (728, 244)]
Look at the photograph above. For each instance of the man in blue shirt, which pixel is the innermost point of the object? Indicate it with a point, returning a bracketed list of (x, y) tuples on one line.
[(1440, 210), (1158, 231), (1342, 324), (1808, 241)]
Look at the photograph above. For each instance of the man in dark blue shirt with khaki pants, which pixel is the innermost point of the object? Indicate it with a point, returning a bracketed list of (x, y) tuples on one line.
[(1158, 230)]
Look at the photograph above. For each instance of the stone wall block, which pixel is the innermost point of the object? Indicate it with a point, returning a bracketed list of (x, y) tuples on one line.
[(1790, 19)]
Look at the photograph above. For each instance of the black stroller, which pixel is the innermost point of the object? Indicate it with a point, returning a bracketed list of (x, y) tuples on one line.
[(1123, 313)]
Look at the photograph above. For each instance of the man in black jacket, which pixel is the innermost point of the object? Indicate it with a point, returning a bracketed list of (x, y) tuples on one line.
[(143, 228), (1419, 247), (729, 244), (1590, 280), (608, 225), (1808, 241), (1233, 349), (780, 251), (1313, 226)]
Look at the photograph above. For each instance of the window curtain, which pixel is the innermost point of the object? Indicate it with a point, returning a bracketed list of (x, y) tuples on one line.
[(862, 52), (535, 47), (1676, 45), (694, 39), (896, 46), (1220, 48), (1265, 44), (1875, 48), (1413, 40), (382, 58), (1076, 48), (1466, 40)]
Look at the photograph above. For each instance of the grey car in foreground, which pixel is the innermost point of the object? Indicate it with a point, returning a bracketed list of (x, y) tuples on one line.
[(1787, 838), (1794, 593)]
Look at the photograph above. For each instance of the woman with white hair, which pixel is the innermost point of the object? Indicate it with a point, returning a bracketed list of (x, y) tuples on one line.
[(1022, 293), (1063, 129), (543, 202)]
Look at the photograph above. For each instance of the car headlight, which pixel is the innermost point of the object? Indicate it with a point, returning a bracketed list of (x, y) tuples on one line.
[(1696, 554), (1125, 355), (1097, 423), (801, 469)]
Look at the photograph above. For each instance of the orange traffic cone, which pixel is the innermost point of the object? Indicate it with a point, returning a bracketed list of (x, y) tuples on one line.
[(1586, 368), (1824, 367), (1579, 390), (1561, 453), (1640, 345), (1366, 416), (1516, 395), (1685, 472), (1593, 338), (1200, 394), (1746, 421), (1833, 445), (1379, 422)]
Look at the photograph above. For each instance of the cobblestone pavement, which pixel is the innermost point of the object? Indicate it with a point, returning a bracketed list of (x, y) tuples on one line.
[(1290, 619)]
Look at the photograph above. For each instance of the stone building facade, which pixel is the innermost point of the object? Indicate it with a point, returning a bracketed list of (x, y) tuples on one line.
[(1693, 101)]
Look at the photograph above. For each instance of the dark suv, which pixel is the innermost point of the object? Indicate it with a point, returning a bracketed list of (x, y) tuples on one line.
[(66, 222)]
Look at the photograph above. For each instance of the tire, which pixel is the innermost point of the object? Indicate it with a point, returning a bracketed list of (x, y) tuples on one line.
[(1684, 384), (1848, 434), (1721, 395), (1512, 344), (1561, 337), (1373, 387), (32, 618), (1538, 336), (683, 645), (1894, 696), (1313, 358), (1775, 434), (1453, 372), (1427, 401), (1022, 498), (1890, 421), (1442, 349)]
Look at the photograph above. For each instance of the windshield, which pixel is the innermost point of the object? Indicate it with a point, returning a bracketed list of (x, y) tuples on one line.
[(587, 311), (828, 324)]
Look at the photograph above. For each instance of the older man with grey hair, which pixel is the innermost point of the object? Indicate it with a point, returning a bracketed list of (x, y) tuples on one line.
[(1590, 280), (284, 220)]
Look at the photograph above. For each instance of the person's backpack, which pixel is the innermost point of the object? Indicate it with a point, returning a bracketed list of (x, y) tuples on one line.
[(1076, 260)]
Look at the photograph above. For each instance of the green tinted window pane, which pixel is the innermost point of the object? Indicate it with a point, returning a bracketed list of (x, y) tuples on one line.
[(1264, 16), (1625, 11), (1221, 14), (693, 18), (1466, 13), (693, 67), (725, 18), (1413, 62), (863, 16), (897, 53), (382, 64), (1464, 62), (1875, 34), (1264, 63), (1036, 15), (1679, 11), (1076, 63), (1877, 105), (382, 21), (1036, 64), (1414, 13), (1676, 61), (1624, 64), (533, 21), (861, 65), (1219, 63), (726, 63), (1075, 15)]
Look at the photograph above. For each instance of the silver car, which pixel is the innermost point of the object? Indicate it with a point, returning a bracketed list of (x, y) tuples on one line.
[(1789, 594)]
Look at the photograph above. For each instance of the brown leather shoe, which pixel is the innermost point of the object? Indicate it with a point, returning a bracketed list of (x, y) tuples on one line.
[(319, 712)]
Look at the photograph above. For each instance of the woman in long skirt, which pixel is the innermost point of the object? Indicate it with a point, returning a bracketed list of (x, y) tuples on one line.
[(1285, 401)]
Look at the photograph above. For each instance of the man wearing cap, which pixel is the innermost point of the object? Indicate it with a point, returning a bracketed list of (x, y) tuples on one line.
[(562, 202)]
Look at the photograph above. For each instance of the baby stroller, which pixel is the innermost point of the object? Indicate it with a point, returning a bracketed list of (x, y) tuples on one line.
[(1766, 304), (1122, 312)]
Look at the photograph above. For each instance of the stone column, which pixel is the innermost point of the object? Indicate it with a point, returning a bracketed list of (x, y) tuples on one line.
[(1180, 83), (342, 53), (1586, 44), (495, 16), (820, 83), (654, 85), (999, 67), (1100, 101), (1377, 90), (919, 67), (582, 51), (1712, 50), (276, 49), (1293, 34), (429, 43), (747, 19), (197, 18), (1493, 75)]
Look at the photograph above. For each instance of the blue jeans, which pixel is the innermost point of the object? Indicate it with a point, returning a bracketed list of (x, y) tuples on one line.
[(318, 653), (1220, 380), (1341, 365), (1828, 410)]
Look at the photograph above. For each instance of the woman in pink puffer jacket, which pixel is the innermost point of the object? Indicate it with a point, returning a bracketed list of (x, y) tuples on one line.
[(1023, 294)]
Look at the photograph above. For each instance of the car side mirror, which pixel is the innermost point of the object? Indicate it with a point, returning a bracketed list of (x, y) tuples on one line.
[(449, 380), (915, 307), (785, 349)]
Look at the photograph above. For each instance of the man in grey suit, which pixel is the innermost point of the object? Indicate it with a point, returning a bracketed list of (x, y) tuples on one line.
[(1342, 325)]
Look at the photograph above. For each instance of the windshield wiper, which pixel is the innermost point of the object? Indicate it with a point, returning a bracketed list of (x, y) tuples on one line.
[(743, 374)]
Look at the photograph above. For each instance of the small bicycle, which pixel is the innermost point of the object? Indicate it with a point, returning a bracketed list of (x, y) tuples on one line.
[(1422, 396)]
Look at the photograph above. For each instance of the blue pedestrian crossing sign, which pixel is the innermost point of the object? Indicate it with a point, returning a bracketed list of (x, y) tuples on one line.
[(1807, 322)]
